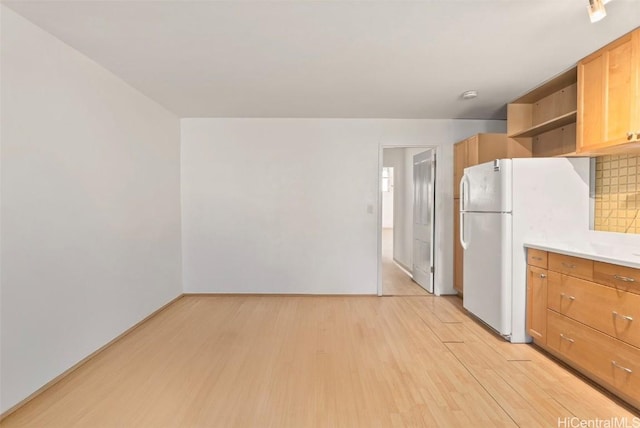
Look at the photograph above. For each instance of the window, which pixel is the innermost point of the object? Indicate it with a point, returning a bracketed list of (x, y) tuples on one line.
[(387, 179)]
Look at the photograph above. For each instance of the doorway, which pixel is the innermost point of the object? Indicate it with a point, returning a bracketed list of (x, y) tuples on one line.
[(407, 193)]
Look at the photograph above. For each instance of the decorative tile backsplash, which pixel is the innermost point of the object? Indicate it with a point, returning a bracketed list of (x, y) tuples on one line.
[(618, 194)]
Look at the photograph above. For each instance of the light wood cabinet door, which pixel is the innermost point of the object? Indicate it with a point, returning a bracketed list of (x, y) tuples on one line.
[(459, 164), (537, 304), (474, 147), (609, 96), (458, 283)]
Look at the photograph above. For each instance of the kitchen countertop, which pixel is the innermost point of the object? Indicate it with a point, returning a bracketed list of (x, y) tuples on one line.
[(619, 254)]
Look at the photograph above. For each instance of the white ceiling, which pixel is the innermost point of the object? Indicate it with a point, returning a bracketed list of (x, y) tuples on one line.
[(374, 59)]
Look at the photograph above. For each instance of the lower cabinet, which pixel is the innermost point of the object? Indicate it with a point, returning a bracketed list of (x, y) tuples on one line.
[(537, 303), (589, 320), (609, 361), (603, 308)]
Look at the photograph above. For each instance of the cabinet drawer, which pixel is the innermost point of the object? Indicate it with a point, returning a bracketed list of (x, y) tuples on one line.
[(614, 363), (574, 266), (616, 313), (620, 277), (537, 258)]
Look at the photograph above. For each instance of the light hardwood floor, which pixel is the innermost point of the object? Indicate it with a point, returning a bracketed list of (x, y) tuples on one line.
[(395, 282), (294, 361)]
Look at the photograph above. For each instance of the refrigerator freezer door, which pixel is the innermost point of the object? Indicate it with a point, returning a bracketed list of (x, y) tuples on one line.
[(487, 268), (487, 187)]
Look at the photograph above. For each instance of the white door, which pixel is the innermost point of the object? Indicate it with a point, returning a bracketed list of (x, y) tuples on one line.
[(424, 165)]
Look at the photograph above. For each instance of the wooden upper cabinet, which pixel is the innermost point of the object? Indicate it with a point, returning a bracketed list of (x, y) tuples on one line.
[(459, 164), (473, 146), (609, 98)]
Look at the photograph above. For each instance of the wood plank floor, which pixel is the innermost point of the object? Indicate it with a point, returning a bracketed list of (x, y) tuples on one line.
[(295, 361), (395, 282)]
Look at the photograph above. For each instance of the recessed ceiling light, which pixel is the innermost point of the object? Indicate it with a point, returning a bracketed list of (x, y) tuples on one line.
[(467, 95)]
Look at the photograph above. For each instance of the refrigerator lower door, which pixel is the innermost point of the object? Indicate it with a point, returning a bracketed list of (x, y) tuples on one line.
[(487, 268)]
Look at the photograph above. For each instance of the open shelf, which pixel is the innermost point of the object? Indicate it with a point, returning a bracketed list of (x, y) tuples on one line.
[(546, 117), (555, 84), (549, 125)]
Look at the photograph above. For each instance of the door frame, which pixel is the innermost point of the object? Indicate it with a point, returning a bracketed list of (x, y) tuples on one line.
[(436, 237)]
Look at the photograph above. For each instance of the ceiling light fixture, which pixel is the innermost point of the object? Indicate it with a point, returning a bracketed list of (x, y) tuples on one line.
[(468, 95), (596, 10)]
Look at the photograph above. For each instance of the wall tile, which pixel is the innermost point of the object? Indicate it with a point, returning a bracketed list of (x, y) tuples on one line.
[(617, 205)]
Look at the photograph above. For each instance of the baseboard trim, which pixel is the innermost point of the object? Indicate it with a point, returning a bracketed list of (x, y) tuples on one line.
[(214, 294), (403, 267), (86, 359)]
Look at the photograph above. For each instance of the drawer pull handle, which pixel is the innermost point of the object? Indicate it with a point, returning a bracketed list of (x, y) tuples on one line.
[(624, 317), (618, 366), (536, 258), (543, 275), (564, 296), (568, 265), (624, 278), (568, 339)]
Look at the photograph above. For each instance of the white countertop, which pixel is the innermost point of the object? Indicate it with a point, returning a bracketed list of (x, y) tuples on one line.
[(623, 251)]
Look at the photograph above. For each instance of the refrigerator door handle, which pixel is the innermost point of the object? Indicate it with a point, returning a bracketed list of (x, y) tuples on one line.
[(464, 243), (463, 195)]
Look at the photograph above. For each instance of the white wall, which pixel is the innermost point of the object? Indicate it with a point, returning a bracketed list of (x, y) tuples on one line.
[(259, 200), (90, 208), (466, 128)]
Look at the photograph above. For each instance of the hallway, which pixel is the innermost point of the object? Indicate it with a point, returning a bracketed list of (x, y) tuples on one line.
[(395, 282)]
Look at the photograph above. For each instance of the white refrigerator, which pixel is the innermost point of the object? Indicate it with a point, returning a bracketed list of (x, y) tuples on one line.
[(503, 204)]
